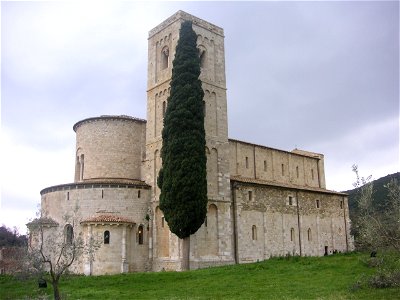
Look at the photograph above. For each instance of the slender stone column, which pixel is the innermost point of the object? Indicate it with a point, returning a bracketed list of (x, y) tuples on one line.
[(124, 264), (88, 267)]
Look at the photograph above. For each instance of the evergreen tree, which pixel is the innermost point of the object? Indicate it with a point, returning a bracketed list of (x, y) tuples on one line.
[(183, 177)]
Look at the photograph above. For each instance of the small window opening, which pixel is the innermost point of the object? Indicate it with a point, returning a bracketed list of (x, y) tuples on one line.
[(106, 237), (297, 172), (247, 162), (312, 174), (341, 204), (317, 203), (202, 58), (140, 235), (250, 195), (265, 165), (162, 222), (309, 234), (69, 234), (164, 108), (290, 200), (254, 232), (82, 166), (292, 234), (205, 221), (138, 193), (283, 170), (67, 195), (102, 194), (164, 58), (204, 108)]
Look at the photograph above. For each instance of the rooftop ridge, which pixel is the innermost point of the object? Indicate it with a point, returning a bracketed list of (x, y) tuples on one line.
[(182, 15), (107, 117)]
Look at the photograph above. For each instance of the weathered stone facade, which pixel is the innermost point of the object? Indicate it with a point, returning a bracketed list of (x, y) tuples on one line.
[(263, 202)]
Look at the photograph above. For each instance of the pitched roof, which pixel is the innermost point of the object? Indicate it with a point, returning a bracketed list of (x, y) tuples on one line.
[(42, 222), (283, 185)]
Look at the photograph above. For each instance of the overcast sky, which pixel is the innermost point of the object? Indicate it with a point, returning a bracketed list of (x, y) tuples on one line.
[(319, 76)]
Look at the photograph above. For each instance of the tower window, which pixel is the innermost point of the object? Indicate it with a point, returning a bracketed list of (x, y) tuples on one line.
[(162, 221), (341, 204), (309, 234), (317, 203), (265, 165), (297, 172), (138, 193), (247, 162), (164, 58), (106, 237), (164, 108), (67, 195), (312, 174), (283, 169), (202, 56), (290, 200), (292, 234), (250, 195)]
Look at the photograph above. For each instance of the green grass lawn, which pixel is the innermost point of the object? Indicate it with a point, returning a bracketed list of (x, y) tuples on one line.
[(329, 277)]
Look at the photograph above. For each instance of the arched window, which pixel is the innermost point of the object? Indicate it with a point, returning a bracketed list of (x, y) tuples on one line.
[(202, 56), (292, 234), (254, 232), (164, 58), (309, 234), (164, 108), (82, 166), (68, 234), (106, 237), (140, 235)]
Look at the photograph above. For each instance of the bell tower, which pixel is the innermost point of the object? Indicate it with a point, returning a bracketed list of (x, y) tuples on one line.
[(162, 42)]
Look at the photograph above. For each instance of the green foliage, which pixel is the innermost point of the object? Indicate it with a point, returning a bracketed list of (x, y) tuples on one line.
[(329, 277), (11, 237), (381, 197), (387, 271), (376, 227), (183, 178)]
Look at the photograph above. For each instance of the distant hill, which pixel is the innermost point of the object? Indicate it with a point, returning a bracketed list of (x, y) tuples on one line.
[(379, 196)]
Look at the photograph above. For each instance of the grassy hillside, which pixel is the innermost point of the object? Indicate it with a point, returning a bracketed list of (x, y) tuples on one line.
[(379, 195), (330, 277)]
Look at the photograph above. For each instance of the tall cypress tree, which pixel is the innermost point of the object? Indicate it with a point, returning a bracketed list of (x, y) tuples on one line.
[(183, 177)]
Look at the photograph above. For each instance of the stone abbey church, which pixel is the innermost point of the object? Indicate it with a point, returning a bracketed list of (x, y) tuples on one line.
[(263, 202)]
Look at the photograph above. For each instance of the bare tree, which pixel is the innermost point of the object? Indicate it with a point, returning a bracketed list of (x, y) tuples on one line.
[(377, 230), (52, 250)]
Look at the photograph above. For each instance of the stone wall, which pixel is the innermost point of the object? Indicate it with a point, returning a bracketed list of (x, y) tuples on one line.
[(75, 203), (259, 162), (278, 221), (109, 147)]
